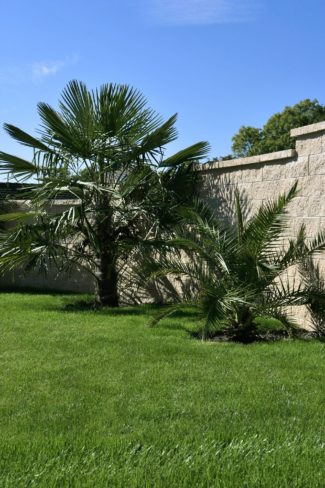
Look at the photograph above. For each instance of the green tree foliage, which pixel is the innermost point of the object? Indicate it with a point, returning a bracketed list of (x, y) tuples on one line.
[(240, 271), (275, 134), (246, 141), (106, 149)]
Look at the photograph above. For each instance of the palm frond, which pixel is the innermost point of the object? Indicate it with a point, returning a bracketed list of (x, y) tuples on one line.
[(239, 217), (190, 154), (18, 216), (123, 113), (285, 291), (219, 302), (153, 143), (58, 131), (25, 139), (18, 167), (268, 225), (77, 104), (288, 255), (179, 183), (44, 240), (314, 284), (317, 244), (166, 312)]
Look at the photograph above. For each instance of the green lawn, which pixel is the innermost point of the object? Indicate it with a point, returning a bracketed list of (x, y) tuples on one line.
[(97, 399)]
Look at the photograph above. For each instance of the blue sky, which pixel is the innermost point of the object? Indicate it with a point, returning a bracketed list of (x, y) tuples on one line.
[(219, 63)]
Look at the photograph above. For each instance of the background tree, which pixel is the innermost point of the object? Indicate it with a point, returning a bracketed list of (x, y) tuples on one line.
[(246, 141), (275, 134), (106, 149)]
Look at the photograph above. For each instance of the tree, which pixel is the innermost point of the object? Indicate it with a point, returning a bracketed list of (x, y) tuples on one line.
[(246, 141), (275, 134), (240, 271), (106, 149)]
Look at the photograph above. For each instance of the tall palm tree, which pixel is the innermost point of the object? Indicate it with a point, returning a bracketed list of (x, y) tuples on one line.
[(104, 147), (239, 270)]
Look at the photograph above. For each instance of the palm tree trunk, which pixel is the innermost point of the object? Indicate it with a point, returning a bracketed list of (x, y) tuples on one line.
[(107, 280), (245, 330), (107, 274)]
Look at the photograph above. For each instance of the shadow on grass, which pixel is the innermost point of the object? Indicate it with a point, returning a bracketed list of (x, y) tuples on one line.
[(89, 306), (37, 291), (71, 303), (145, 309), (270, 337)]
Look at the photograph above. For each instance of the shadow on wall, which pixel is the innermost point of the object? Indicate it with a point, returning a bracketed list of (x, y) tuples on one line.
[(75, 281), (219, 192), (135, 289), (134, 286)]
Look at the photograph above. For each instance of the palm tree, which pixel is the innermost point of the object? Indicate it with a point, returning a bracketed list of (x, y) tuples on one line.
[(105, 148), (314, 281), (239, 270)]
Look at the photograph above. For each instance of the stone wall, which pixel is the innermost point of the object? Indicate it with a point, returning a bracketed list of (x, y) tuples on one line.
[(265, 177), (79, 281), (258, 178)]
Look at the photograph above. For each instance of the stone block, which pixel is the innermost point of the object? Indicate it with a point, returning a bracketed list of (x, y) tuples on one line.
[(246, 190), (229, 164), (233, 177), (297, 168), (322, 224), (309, 144), (300, 316), (312, 225), (307, 207), (297, 208), (317, 164), (312, 185), (211, 183), (274, 172), (308, 129), (260, 191), (251, 174)]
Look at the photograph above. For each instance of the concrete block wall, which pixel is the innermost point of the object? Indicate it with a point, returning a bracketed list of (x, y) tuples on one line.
[(258, 178), (265, 177)]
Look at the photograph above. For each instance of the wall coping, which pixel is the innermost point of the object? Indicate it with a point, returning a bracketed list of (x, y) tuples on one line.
[(261, 158), (308, 129), (54, 202)]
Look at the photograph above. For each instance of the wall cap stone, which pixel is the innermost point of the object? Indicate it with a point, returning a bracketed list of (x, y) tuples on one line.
[(261, 158), (308, 129), (56, 203)]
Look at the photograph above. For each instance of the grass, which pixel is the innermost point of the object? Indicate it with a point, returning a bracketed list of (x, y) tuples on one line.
[(98, 399)]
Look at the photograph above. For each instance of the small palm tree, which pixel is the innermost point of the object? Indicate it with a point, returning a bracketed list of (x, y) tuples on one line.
[(314, 281), (105, 148), (239, 271)]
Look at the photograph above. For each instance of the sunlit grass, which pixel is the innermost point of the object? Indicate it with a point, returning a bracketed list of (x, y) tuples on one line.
[(98, 399)]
